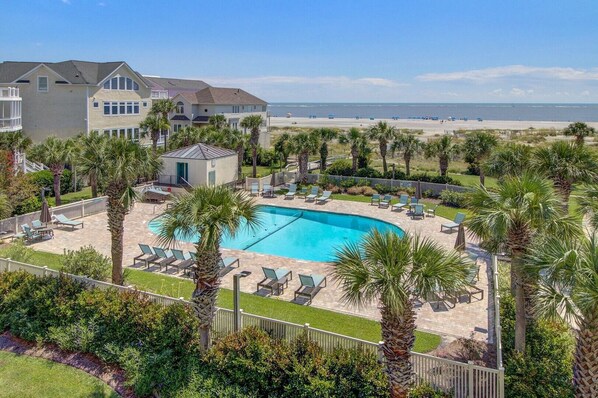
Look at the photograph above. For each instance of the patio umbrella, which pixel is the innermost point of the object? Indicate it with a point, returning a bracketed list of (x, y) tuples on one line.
[(460, 242), (45, 215), (418, 190)]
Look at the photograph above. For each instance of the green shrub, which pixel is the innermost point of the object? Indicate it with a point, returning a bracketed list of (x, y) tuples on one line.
[(348, 183), (18, 251), (87, 261), (426, 391), (341, 167), (453, 198), (368, 172), (45, 179), (386, 189)]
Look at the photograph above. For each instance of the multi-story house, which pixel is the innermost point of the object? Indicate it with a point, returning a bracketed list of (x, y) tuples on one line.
[(10, 109), (196, 101), (72, 97)]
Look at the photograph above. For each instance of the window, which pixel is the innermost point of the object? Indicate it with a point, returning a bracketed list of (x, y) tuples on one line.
[(235, 108), (115, 108), (107, 87), (114, 83), (135, 86), (106, 108), (129, 108), (129, 84), (96, 104), (263, 108), (136, 108), (180, 107), (145, 104), (42, 84), (121, 108), (121, 83)]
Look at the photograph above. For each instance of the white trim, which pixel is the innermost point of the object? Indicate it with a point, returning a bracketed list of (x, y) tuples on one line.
[(118, 104), (110, 75)]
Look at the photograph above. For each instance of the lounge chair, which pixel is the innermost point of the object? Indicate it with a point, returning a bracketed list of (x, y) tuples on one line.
[(302, 193), (267, 191), (156, 194), (375, 199), (471, 289), (314, 193), (181, 262), (310, 286), (403, 202), (37, 224), (418, 211), (325, 197), (255, 189), (275, 280), (146, 255), (61, 219), (431, 212), (226, 262), (31, 235), (385, 201), (163, 258), (292, 191), (459, 218)]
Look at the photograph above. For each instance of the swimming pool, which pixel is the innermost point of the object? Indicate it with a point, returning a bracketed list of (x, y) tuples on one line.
[(297, 233)]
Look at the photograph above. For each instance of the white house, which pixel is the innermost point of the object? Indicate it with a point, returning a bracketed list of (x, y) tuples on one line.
[(199, 164)]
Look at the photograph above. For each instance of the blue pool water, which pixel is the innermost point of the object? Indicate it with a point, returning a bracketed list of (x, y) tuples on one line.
[(300, 234)]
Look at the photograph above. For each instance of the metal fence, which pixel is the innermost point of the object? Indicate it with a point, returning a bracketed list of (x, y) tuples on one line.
[(463, 380)]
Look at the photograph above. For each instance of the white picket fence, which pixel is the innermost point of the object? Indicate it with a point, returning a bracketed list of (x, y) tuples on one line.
[(463, 380)]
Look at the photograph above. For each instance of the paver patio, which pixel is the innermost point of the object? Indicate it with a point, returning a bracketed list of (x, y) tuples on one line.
[(465, 320)]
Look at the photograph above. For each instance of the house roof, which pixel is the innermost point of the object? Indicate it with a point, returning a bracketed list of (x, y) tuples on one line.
[(176, 86), (199, 152), (227, 96), (74, 72), (179, 117)]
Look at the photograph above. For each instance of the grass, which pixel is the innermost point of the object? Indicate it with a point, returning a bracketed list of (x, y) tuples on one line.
[(71, 197), (348, 325), (261, 170), (23, 376), (469, 180)]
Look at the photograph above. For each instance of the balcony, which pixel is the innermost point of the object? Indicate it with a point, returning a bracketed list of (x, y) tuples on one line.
[(9, 94), (159, 94), (10, 109)]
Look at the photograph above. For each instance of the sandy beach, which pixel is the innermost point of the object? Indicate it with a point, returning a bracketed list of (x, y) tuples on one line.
[(430, 127)]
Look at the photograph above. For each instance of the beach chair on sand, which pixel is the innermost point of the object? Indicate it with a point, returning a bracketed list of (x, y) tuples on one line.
[(314, 193), (146, 255), (385, 201), (403, 202), (325, 197), (292, 191), (61, 219), (418, 211), (459, 218), (375, 199), (275, 280), (310, 286), (163, 260), (255, 189)]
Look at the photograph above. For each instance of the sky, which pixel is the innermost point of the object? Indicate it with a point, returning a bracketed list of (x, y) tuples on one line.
[(329, 51)]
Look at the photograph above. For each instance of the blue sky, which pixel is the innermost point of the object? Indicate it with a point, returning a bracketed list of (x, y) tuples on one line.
[(329, 51)]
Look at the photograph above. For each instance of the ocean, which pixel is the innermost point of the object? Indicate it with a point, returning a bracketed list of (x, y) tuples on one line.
[(531, 112)]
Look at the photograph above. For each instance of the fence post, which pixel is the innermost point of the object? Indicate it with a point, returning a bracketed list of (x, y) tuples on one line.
[(8, 265), (306, 329), (82, 208), (240, 318), (501, 382), (16, 224), (380, 351), (45, 271), (470, 383)]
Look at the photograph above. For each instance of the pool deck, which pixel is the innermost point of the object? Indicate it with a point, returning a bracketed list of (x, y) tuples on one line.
[(470, 320)]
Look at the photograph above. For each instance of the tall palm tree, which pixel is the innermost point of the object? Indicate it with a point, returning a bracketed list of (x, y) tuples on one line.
[(186, 136), (304, 144), (579, 130), (588, 204), (55, 153), (394, 271), (207, 213), (510, 218), (478, 146), (154, 124), (326, 135), (568, 288), (232, 139), (253, 123), (92, 159), (218, 121), (354, 138), (511, 159), (126, 161), (384, 134), (445, 149), (163, 107), (282, 146), (566, 164), (409, 145)]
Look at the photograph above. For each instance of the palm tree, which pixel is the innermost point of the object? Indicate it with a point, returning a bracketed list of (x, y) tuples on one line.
[(253, 123), (588, 204), (394, 271), (510, 218), (477, 147), (304, 144), (218, 121), (14, 142), (186, 136), (384, 134), (354, 138), (5, 206), (509, 160), (207, 213), (163, 107), (154, 124), (410, 145), (444, 149), (579, 130), (55, 154), (126, 161), (282, 146), (232, 139), (567, 288), (566, 164), (92, 159), (325, 135)]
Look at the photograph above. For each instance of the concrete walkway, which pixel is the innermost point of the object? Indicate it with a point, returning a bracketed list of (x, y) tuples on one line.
[(465, 320)]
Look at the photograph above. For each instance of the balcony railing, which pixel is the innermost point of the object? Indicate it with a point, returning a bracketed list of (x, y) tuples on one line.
[(10, 124), (159, 94), (9, 92)]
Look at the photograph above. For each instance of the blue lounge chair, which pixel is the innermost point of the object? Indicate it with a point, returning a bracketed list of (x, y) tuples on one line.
[(61, 219), (267, 191), (431, 212), (310, 286), (181, 262), (302, 193), (146, 255), (459, 218), (226, 262), (418, 211), (255, 189), (292, 191), (385, 201), (375, 199), (314, 193), (30, 235), (163, 258), (403, 202), (37, 224), (275, 280), (325, 197)]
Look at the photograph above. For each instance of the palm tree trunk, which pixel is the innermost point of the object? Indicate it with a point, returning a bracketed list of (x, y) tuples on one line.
[(518, 284), (585, 368), (482, 176), (155, 142), (407, 159), (56, 184), (579, 139), (323, 156), (116, 218), (383, 155), (254, 159), (443, 163), (354, 157), (93, 182), (206, 292), (398, 334), (240, 153), (564, 187), (303, 165)]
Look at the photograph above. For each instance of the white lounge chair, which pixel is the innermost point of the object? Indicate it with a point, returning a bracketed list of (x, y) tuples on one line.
[(325, 197), (314, 193)]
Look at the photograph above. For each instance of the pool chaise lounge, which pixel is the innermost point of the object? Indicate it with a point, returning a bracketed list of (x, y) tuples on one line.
[(155, 194), (313, 195), (403, 202), (61, 219), (268, 191), (385, 201), (275, 280), (255, 189), (418, 212), (310, 286), (459, 218), (292, 191), (163, 259), (325, 197), (375, 199), (147, 254)]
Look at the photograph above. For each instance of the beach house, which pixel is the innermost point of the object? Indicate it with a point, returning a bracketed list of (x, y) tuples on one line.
[(10, 109)]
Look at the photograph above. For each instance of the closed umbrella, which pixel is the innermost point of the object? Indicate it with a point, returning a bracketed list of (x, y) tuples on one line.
[(45, 216), (460, 242), (418, 190)]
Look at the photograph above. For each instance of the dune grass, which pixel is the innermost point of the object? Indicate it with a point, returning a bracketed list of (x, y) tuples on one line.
[(23, 376)]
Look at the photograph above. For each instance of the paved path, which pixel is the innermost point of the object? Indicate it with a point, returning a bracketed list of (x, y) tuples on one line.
[(465, 320)]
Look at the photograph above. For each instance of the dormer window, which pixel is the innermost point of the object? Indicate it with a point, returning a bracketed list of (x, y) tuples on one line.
[(180, 107), (121, 83), (42, 84)]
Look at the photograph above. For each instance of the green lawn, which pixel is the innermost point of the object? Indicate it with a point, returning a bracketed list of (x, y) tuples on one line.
[(269, 307), (261, 170), (474, 181), (28, 377), (85, 193)]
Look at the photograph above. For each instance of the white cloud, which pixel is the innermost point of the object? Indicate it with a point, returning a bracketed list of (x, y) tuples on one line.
[(66, 1), (338, 81), (517, 92), (501, 72)]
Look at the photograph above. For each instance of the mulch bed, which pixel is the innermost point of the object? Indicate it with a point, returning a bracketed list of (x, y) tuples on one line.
[(88, 363)]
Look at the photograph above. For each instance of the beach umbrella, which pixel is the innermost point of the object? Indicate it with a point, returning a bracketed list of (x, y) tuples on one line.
[(418, 190), (45, 216), (460, 242)]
